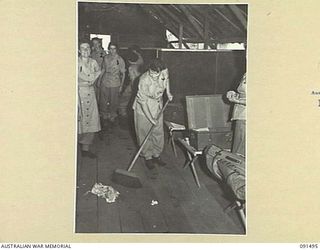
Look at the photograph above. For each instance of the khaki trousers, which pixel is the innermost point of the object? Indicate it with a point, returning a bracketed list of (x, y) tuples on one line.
[(155, 143), (239, 137)]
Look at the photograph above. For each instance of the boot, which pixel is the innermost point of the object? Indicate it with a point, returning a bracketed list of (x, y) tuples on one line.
[(150, 164), (158, 161)]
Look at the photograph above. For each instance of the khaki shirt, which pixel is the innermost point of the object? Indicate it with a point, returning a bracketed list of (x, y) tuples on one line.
[(114, 68), (98, 56), (150, 92)]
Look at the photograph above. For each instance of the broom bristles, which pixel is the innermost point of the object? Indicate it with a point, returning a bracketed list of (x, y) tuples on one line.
[(126, 178)]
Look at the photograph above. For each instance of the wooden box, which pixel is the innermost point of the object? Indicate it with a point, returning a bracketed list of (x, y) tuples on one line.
[(208, 121)]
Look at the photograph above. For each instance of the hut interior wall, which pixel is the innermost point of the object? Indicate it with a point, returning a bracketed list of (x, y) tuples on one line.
[(203, 73)]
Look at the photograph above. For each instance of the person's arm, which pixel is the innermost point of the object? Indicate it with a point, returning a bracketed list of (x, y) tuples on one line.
[(122, 73), (234, 97), (103, 70), (84, 80), (167, 84), (97, 70), (88, 79)]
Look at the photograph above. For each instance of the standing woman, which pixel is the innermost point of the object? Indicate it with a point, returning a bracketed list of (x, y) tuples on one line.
[(88, 115), (97, 53), (112, 79), (147, 106), (239, 117), (135, 62)]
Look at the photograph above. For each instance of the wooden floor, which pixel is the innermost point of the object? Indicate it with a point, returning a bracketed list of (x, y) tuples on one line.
[(182, 206)]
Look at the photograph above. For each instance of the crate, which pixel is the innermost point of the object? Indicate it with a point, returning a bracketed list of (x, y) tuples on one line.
[(208, 121)]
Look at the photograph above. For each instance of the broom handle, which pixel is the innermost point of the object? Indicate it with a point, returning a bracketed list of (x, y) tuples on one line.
[(147, 137)]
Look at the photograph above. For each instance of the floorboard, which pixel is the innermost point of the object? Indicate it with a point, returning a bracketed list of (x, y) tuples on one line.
[(181, 208)]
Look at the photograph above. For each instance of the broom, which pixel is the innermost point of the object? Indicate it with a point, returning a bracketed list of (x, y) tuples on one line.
[(127, 178)]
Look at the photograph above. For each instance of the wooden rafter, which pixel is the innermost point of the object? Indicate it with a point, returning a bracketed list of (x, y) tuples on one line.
[(243, 12), (228, 20), (192, 20), (180, 35), (199, 11), (175, 22), (156, 16), (156, 11), (177, 12), (206, 30), (177, 19), (237, 12)]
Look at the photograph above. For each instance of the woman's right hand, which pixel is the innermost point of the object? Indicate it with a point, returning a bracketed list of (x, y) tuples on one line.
[(232, 96), (153, 121)]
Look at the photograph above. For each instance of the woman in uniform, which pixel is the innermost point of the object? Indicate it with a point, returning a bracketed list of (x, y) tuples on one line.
[(147, 105), (239, 117), (88, 115), (112, 79), (97, 53), (135, 63)]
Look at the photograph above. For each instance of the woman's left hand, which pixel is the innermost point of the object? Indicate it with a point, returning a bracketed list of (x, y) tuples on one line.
[(170, 97)]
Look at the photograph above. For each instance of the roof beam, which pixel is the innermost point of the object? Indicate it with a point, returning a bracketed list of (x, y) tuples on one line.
[(228, 20), (156, 16), (180, 35), (176, 22), (192, 20), (179, 21), (163, 17), (206, 30), (175, 29), (202, 12), (237, 12)]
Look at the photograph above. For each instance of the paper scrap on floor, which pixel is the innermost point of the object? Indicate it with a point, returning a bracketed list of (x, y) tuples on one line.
[(106, 192), (153, 202)]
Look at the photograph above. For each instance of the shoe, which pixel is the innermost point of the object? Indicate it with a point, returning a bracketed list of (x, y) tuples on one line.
[(153, 176), (113, 122), (105, 124), (101, 135), (158, 161), (123, 122), (150, 164), (88, 154), (153, 173)]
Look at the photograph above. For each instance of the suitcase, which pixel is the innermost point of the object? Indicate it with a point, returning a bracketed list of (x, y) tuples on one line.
[(208, 121), (200, 139)]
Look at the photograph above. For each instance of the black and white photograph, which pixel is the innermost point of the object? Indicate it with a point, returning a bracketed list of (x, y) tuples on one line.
[(161, 118)]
